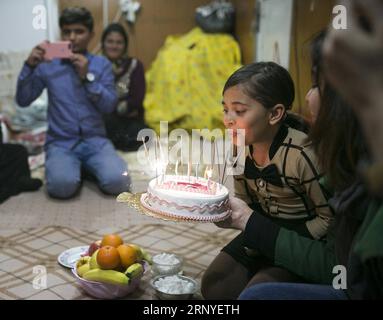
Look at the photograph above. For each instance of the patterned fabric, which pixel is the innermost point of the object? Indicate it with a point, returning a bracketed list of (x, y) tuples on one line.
[(185, 81), (22, 250), (301, 196)]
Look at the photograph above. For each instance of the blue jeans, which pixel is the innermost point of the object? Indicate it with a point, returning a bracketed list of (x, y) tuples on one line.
[(63, 168), (292, 291)]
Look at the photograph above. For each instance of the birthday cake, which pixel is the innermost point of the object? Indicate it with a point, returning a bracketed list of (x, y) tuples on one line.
[(190, 198)]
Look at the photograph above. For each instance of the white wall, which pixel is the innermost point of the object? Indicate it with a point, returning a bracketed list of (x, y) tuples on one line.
[(16, 30), (18, 37), (274, 36)]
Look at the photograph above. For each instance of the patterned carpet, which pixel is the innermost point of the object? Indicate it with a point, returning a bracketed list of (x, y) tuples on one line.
[(23, 250), (35, 229)]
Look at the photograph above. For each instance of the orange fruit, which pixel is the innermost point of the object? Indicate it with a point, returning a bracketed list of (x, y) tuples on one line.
[(128, 255), (108, 258), (113, 240)]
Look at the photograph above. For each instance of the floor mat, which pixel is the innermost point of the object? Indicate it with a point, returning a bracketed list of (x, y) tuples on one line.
[(22, 250)]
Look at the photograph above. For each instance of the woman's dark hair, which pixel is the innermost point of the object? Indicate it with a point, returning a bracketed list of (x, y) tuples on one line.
[(336, 135), (317, 59), (266, 82), (77, 15), (115, 27)]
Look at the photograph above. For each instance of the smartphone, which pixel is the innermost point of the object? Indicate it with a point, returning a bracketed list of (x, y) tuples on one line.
[(59, 50)]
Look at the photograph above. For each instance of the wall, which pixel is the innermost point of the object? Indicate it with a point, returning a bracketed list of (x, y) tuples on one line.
[(310, 16), (273, 36), (16, 24), (160, 18)]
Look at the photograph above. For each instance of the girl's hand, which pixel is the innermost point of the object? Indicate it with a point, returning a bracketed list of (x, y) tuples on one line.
[(240, 214)]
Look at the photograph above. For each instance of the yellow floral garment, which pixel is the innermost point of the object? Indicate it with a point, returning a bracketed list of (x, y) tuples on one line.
[(186, 79)]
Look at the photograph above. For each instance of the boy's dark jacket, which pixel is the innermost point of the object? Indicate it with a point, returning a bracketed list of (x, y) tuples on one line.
[(355, 241)]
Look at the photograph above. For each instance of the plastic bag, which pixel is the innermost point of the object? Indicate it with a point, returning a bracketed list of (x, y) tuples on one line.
[(216, 17)]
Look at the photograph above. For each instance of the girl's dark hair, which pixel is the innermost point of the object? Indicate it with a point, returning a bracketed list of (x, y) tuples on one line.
[(115, 27), (269, 84), (77, 15), (336, 134), (266, 82)]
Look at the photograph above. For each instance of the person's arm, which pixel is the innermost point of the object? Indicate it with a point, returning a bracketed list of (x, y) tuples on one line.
[(310, 177), (310, 259), (30, 83), (102, 91), (367, 281)]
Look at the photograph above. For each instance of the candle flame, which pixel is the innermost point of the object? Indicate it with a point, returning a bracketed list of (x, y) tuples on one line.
[(208, 172)]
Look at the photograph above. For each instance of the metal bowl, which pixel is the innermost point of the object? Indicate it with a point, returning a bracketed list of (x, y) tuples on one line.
[(173, 296)]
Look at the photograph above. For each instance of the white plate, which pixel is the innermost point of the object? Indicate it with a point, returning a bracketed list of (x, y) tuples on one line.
[(69, 257)]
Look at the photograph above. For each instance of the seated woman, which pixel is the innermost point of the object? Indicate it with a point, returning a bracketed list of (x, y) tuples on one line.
[(15, 176), (127, 120), (281, 178), (349, 264)]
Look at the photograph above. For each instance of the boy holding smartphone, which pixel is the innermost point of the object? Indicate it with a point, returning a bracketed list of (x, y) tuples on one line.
[(80, 90)]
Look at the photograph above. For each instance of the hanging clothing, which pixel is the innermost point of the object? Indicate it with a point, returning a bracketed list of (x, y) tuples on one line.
[(186, 79)]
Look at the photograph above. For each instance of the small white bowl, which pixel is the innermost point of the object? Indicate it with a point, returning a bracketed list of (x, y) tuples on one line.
[(166, 268), (174, 296)]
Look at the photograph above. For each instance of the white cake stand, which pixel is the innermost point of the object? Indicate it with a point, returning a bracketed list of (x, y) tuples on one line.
[(138, 202)]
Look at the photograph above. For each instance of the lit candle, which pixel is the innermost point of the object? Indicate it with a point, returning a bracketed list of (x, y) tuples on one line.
[(146, 150), (189, 170), (209, 174), (162, 158), (176, 170), (196, 171), (156, 161)]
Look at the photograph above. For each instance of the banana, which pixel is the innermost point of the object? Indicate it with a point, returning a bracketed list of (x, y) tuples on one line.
[(146, 256), (81, 270), (141, 253), (93, 261), (138, 250), (82, 261), (107, 276), (134, 271)]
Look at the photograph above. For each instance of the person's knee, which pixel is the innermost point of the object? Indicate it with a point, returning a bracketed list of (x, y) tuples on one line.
[(115, 184), (62, 187), (210, 280), (261, 291)]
